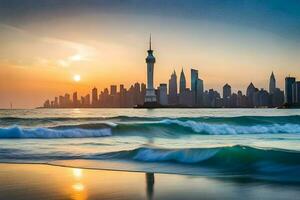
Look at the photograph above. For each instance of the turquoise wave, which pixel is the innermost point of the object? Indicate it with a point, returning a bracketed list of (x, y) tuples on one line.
[(240, 120), (263, 163)]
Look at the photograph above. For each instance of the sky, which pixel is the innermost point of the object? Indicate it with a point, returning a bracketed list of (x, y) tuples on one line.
[(45, 43)]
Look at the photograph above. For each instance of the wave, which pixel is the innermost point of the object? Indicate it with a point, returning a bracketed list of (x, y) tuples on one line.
[(148, 127), (238, 120), (261, 163), (275, 164), (222, 156), (17, 132), (165, 128)]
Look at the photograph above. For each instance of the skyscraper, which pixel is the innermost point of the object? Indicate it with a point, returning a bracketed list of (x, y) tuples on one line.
[(197, 88), (150, 96), (272, 84), (226, 95), (226, 91), (251, 89), (113, 90), (94, 97), (296, 92), (199, 92), (289, 81), (163, 96), (75, 99), (173, 89), (182, 81), (194, 78)]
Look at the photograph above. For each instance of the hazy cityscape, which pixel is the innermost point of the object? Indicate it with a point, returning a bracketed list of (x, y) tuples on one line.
[(177, 94)]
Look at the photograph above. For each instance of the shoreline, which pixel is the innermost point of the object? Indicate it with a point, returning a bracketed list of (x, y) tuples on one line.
[(40, 181)]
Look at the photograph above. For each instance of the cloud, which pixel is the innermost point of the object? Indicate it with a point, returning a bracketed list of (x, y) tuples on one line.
[(35, 50), (81, 52)]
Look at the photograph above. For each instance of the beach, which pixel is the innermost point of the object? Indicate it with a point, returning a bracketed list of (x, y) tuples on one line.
[(149, 154), (36, 181)]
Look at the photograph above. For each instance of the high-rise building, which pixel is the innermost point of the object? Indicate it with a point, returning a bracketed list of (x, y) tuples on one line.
[(227, 95), (197, 88), (185, 98), (277, 98), (272, 84), (289, 81), (87, 100), (261, 98), (173, 89), (56, 102), (136, 94), (47, 104), (226, 91), (296, 92), (194, 78), (163, 96), (150, 96), (182, 82), (94, 97), (113, 90), (68, 102), (251, 89), (75, 99), (199, 93), (122, 96)]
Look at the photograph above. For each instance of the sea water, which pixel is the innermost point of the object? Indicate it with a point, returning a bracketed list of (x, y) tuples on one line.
[(259, 144)]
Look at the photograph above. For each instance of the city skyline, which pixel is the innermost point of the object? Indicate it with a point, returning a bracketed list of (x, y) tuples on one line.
[(175, 93), (46, 45)]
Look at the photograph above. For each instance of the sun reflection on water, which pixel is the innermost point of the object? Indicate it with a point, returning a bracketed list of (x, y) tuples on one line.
[(77, 173), (78, 188)]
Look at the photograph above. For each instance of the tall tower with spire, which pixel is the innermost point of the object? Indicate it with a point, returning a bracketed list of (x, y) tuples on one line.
[(272, 84), (150, 96), (173, 89), (182, 81)]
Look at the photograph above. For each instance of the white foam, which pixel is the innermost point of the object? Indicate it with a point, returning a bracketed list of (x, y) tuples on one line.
[(223, 129), (17, 132)]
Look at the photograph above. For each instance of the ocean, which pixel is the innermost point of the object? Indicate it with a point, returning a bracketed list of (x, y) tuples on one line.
[(257, 144)]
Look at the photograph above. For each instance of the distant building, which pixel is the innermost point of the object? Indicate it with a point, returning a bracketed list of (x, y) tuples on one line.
[(289, 81), (47, 104), (87, 100), (261, 98), (186, 98), (197, 88), (75, 100), (56, 105), (199, 92), (173, 89), (67, 100), (163, 94), (94, 97), (182, 82), (227, 95), (277, 98), (113, 90), (194, 79), (251, 89), (272, 84), (122, 99), (296, 92)]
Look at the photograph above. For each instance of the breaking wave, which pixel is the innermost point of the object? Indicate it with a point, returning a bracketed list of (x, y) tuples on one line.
[(142, 126), (17, 132)]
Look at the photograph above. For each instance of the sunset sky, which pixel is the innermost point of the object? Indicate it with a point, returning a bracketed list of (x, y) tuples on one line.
[(45, 43)]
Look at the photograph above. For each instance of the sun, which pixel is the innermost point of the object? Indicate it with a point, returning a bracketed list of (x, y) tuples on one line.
[(76, 77)]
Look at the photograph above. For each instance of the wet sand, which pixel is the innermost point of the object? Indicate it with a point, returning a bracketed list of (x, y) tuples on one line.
[(35, 181)]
